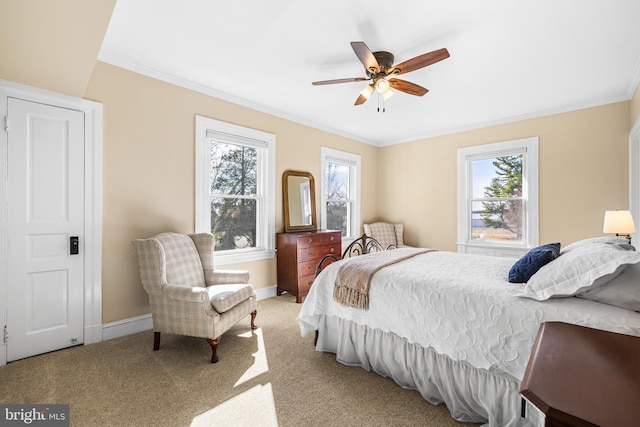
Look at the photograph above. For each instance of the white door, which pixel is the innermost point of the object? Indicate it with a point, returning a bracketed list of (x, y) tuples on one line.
[(45, 215)]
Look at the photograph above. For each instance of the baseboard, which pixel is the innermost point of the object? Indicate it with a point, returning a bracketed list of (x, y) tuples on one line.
[(93, 334), (142, 323), (125, 327), (268, 292)]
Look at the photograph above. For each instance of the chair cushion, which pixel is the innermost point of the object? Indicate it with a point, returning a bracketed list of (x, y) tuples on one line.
[(384, 233), (225, 297), (183, 262)]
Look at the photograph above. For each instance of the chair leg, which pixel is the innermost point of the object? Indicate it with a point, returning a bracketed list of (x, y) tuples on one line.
[(214, 347), (253, 318), (156, 341)]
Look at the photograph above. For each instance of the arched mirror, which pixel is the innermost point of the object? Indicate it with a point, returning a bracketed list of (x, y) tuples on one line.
[(299, 197)]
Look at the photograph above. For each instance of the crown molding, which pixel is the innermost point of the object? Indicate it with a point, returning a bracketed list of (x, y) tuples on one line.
[(634, 80), (206, 90)]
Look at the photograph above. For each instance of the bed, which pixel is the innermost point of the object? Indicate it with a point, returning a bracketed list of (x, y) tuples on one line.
[(453, 327)]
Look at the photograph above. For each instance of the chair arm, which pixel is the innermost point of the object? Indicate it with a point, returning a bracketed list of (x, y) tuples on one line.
[(185, 293), (225, 277)]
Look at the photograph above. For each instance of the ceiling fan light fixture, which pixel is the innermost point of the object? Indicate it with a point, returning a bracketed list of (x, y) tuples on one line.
[(386, 95), (367, 91), (382, 85)]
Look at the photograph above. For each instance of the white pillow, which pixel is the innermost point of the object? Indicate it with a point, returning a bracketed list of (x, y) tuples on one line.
[(616, 240), (623, 291), (573, 272)]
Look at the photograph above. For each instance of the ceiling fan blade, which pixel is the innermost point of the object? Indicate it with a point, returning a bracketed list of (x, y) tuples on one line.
[(330, 82), (407, 87), (364, 95), (365, 56), (420, 61)]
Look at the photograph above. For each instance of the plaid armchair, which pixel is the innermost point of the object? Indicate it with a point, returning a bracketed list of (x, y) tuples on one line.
[(386, 234), (187, 296)]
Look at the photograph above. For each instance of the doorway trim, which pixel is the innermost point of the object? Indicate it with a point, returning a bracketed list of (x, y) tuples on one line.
[(634, 176), (92, 210)]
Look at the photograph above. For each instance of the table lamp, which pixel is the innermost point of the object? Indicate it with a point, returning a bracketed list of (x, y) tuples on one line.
[(619, 222)]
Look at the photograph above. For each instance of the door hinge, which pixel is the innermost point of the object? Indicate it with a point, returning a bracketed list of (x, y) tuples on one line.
[(6, 123), (5, 335)]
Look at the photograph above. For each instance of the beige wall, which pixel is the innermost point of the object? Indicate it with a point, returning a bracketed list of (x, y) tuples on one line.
[(52, 44), (583, 172), (149, 168)]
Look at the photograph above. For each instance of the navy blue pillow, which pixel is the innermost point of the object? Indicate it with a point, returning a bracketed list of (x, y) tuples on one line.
[(532, 261)]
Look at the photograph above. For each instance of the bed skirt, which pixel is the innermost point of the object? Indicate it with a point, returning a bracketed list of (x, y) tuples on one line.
[(471, 394)]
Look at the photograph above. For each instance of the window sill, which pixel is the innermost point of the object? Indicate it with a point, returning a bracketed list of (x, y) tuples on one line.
[(237, 258), (483, 244), (493, 249)]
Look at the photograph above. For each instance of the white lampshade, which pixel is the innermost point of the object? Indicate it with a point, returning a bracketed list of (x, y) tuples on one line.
[(388, 94), (367, 91), (382, 85), (619, 222)]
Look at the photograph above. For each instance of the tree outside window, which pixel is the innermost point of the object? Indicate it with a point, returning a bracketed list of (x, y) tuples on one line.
[(338, 201), (234, 200), (497, 203), (340, 194)]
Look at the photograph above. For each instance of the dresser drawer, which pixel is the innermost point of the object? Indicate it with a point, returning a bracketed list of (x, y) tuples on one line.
[(305, 282), (307, 267), (317, 252), (305, 241), (331, 238)]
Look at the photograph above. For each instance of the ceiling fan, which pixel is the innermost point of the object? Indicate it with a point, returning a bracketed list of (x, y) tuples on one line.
[(380, 70)]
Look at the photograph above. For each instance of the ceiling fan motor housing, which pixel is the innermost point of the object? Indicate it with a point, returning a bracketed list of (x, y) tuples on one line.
[(385, 61)]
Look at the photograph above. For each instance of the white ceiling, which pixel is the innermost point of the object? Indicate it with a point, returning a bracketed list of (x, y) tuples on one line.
[(509, 59)]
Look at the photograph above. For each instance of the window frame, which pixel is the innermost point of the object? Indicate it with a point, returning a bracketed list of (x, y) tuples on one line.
[(528, 148), (354, 162), (265, 225)]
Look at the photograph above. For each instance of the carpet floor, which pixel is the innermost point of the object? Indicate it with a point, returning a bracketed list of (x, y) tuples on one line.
[(268, 377)]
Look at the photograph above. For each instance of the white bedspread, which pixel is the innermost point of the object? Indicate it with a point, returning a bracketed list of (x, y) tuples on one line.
[(457, 305)]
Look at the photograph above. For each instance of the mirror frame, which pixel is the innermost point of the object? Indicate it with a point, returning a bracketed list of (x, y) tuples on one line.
[(285, 202)]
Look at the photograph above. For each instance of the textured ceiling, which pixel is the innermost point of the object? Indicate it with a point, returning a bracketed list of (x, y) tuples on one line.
[(509, 60)]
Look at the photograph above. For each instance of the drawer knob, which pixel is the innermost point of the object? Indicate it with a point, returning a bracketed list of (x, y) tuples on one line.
[(310, 240), (332, 249), (332, 237)]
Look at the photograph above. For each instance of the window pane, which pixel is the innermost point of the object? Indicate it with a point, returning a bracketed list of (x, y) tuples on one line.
[(497, 221), (337, 216), (233, 223), (337, 181), (233, 169), (497, 177)]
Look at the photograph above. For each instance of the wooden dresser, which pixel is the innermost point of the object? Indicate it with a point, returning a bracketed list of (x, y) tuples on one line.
[(298, 256)]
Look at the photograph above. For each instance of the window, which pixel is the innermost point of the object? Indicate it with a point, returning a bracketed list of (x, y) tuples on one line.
[(340, 195), (498, 196), (235, 170)]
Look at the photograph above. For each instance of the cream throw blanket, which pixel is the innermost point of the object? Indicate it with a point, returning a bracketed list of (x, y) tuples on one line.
[(354, 277)]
